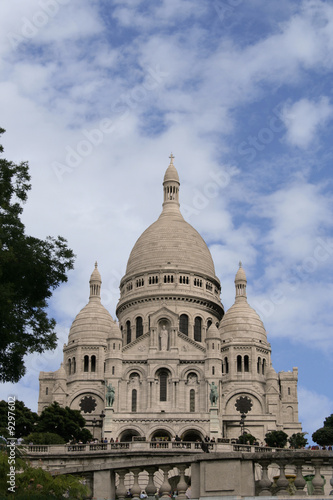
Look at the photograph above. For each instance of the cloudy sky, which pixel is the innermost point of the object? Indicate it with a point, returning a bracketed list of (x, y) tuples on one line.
[(96, 95)]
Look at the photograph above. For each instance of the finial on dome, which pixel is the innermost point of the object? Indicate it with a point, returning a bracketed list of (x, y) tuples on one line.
[(240, 283), (96, 264), (171, 159)]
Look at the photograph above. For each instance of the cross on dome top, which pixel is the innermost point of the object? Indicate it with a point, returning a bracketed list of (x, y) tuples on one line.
[(171, 159)]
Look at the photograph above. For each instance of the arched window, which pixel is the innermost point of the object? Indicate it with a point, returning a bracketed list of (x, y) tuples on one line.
[(163, 385), (139, 326), (112, 370), (47, 391), (239, 363), (183, 324), (93, 363), (134, 400), (263, 366), (197, 329), (288, 391), (192, 400), (128, 332), (226, 364), (74, 365), (258, 365), (86, 364), (69, 366), (246, 363), (213, 370), (209, 322)]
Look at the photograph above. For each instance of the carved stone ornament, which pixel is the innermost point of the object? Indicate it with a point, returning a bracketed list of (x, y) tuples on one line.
[(88, 404), (243, 404)]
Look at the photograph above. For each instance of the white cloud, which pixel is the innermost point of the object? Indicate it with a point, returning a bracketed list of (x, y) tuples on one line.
[(313, 409), (304, 118)]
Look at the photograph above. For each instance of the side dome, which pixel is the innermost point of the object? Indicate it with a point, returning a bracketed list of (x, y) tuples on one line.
[(93, 321), (241, 321)]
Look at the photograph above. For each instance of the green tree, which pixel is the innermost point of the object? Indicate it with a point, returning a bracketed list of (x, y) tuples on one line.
[(324, 435), (246, 438), (36, 483), (24, 419), (44, 438), (276, 439), (65, 422), (30, 269), (298, 440)]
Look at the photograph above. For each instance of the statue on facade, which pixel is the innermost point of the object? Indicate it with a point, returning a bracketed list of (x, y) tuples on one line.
[(213, 394), (110, 392), (164, 337)]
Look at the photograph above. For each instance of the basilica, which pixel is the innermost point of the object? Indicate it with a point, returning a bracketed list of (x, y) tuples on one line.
[(175, 363)]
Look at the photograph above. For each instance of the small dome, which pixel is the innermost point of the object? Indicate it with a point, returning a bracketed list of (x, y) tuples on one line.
[(171, 173), (95, 275), (240, 275), (271, 373), (212, 332), (241, 321), (93, 322)]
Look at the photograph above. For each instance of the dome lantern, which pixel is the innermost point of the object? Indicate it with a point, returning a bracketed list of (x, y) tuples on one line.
[(95, 285), (240, 284), (171, 188)]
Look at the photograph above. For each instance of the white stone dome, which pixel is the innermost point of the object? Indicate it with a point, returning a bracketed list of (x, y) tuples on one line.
[(93, 321), (241, 321), (171, 241)]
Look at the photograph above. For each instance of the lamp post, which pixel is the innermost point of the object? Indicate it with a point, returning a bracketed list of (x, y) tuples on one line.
[(242, 423)]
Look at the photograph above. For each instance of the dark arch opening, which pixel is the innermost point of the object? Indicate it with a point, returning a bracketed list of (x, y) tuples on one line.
[(161, 435), (192, 435), (127, 435)]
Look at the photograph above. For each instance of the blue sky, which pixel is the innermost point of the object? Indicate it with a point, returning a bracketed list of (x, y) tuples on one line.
[(95, 95)]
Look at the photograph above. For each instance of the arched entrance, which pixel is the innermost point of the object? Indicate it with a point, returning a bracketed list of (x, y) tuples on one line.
[(127, 435), (192, 435), (160, 435)]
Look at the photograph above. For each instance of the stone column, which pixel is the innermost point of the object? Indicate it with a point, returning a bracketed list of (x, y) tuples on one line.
[(136, 490), (317, 481), (151, 488), (102, 485), (182, 485), (121, 489), (264, 483), (165, 487), (299, 480)]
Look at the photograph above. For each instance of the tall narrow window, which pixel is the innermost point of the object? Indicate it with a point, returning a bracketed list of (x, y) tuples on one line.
[(183, 324), (288, 391), (69, 366), (197, 329), (139, 326), (213, 370), (246, 363), (226, 364), (86, 364), (263, 366), (128, 332), (74, 365), (258, 365), (93, 364), (209, 322), (134, 400), (192, 400), (163, 385), (239, 363), (47, 391)]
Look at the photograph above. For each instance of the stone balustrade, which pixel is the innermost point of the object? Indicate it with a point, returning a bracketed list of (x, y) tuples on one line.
[(243, 471)]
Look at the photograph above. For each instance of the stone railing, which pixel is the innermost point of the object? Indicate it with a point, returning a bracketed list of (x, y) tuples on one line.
[(286, 473)]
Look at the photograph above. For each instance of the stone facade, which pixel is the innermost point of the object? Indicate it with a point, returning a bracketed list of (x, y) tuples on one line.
[(174, 363)]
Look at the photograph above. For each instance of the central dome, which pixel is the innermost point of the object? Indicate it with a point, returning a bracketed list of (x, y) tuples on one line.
[(170, 241)]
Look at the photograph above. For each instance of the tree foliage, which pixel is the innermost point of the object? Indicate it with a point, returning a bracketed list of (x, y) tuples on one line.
[(24, 419), (324, 435), (65, 422), (298, 440), (30, 269), (247, 439), (36, 483), (44, 438), (276, 439)]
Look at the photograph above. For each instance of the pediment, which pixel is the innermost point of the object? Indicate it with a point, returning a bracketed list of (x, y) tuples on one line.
[(58, 389), (164, 312), (185, 344), (139, 345)]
